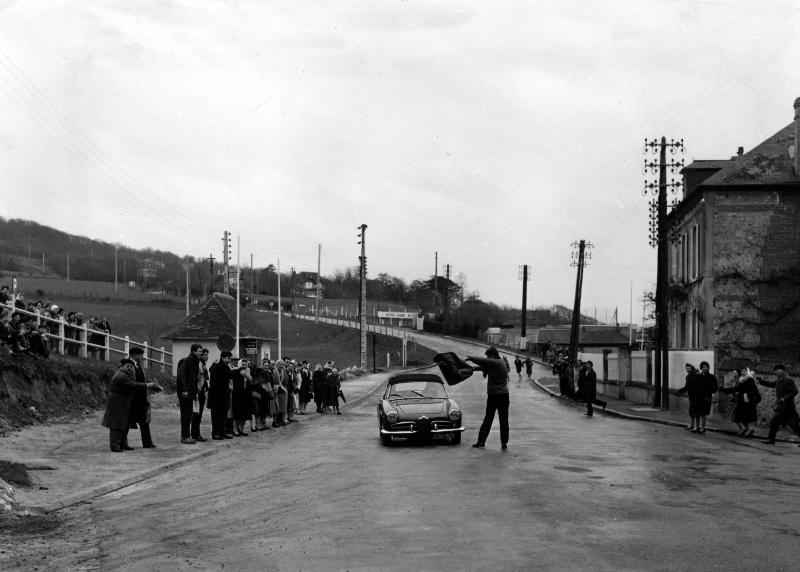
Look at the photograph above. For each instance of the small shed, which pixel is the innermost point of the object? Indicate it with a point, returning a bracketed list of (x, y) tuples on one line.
[(214, 326)]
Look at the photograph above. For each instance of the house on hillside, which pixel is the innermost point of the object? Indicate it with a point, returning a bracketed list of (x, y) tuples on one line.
[(735, 257), (214, 326)]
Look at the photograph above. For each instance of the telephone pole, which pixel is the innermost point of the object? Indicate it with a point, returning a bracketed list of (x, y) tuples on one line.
[(226, 248), (658, 239), (446, 305), (436, 284), (362, 300), (319, 264), (579, 260), (291, 289), (210, 272), (525, 277)]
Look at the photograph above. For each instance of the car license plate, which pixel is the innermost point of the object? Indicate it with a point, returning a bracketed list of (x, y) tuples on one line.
[(439, 436)]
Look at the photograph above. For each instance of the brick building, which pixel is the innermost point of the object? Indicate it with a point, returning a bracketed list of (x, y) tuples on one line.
[(735, 256)]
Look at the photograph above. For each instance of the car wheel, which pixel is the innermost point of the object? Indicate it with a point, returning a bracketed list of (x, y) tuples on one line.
[(455, 439), (386, 439)]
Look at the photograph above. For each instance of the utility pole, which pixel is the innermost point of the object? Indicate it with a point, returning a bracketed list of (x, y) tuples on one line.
[(291, 289), (319, 289), (436, 284), (226, 247), (251, 272), (67, 267), (579, 260), (116, 249), (187, 284), (362, 301), (210, 272), (658, 238), (446, 305), (523, 342)]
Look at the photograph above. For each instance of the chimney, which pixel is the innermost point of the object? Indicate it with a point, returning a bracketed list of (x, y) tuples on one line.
[(796, 146), (740, 151)]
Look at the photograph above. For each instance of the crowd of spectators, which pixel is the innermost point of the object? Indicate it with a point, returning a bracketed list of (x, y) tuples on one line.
[(33, 328), (266, 395)]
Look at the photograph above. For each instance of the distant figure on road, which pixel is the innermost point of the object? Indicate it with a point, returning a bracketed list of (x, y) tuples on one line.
[(518, 366), (118, 407), (785, 410), (590, 390), (496, 372), (140, 404), (528, 367)]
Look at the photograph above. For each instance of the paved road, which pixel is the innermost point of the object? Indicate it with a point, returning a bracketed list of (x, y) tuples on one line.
[(571, 493)]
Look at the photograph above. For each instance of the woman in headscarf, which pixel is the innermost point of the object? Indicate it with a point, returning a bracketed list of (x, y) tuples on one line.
[(747, 397)]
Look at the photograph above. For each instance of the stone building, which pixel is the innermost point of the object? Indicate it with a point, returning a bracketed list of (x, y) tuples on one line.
[(735, 256)]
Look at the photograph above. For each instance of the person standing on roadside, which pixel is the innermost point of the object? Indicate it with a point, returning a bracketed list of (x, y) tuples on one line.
[(202, 390), (690, 389), (188, 381), (703, 387), (118, 407), (219, 395), (747, 397), (785, 410), (318, 387), (590, 389), (497, 399), (140, 404)]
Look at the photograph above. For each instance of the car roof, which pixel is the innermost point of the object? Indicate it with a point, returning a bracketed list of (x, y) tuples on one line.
[(401, 377)]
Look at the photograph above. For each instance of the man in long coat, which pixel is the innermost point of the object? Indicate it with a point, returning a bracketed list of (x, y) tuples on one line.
[(189, 382), (140, 404), (120, 395), (219, 395)]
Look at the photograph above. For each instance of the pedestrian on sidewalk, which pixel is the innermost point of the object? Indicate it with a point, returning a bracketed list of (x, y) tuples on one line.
[(785, 410), (528, 367), (747, 397), (140, 404), (219, 395), (590, 390), (581, 380), (689, 389), (703, 387), (497, 399), (333, 384), (318, 387), (118, 407), (188, 382), (202, 390), (518, 366)]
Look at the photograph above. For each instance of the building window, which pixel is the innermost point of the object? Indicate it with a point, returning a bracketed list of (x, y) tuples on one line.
[(695, 251)]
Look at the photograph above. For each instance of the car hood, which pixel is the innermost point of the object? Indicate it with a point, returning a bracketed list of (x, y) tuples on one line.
[(417, 408)]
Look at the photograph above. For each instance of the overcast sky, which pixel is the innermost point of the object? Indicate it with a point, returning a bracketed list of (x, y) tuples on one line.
[(496, 133)]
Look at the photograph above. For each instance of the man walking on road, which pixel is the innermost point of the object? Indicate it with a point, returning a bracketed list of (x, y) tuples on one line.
[(528, 367), (118, 407), (785, 410), (590, 390), (188, 382), (518, 366), (496, 372)]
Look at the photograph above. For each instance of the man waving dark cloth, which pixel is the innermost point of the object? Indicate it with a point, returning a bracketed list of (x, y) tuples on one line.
[(496, 372)]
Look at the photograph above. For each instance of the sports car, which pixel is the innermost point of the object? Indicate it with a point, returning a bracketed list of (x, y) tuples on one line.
[(416, 405)]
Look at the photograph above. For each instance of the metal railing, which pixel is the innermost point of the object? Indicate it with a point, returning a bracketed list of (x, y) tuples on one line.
[(74, 340)]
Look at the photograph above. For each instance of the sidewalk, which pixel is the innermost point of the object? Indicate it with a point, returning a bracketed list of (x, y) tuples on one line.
[(640, 412), (71, 463)]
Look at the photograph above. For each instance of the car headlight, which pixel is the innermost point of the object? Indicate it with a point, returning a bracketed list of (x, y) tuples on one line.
[(455, 414), (391, 416)]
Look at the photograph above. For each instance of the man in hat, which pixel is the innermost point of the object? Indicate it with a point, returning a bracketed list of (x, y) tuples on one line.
[(202, 389), (496, 372), (140, 403), (219, 395), (785, 410), (118, 407), (189, 379)]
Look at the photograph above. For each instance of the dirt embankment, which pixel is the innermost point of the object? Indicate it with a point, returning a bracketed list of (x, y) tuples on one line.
[(40, 390)]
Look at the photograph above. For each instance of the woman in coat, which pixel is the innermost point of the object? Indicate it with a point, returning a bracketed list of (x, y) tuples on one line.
[(318, 387), (305, 387), (689, 389), (707, 386), (332, 386), (241, 402), (281, 395), (746, 396)]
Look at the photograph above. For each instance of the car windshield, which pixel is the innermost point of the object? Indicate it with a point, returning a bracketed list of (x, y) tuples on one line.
[(417, 390)]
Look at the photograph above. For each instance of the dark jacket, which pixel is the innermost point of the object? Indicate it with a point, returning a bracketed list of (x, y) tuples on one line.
[(785, 392), (589, 385), (140, 404), (496, 372), (219, 389), (188, 372), (747, 397), (120, 395)]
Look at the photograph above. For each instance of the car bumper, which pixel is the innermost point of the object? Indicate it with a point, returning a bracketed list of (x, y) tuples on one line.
[(415, 432)]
